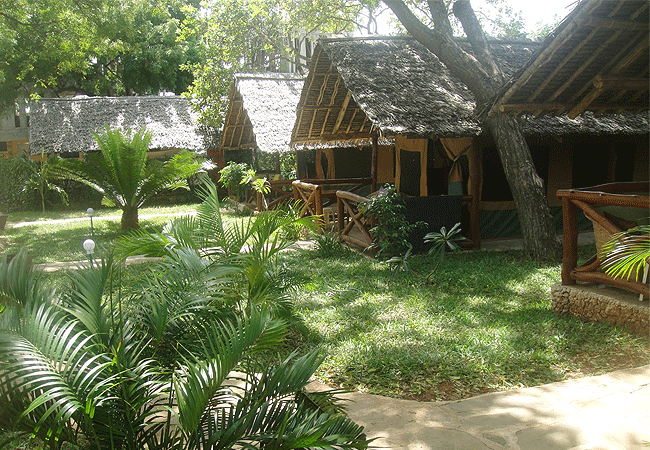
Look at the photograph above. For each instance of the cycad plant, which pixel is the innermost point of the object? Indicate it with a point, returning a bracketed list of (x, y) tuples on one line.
[(251, 244), (155, 368), (627, 255), (121, 172)]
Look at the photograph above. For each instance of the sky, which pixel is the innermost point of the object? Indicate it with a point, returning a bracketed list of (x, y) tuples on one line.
[(536, 13)]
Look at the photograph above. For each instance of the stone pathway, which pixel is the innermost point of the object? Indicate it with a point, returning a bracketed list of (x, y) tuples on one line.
[(609, 411)]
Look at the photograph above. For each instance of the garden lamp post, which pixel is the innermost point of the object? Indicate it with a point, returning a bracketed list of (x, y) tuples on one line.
[(89, 247), (91, 213)]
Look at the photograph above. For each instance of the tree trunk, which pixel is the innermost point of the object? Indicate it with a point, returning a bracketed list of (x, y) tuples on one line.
[(130, 217), (484, 78), (535, 219)]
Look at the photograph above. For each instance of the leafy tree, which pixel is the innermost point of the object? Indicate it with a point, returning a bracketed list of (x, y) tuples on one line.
[(92, 47), (121, 172), (256, 36), (479, 71)]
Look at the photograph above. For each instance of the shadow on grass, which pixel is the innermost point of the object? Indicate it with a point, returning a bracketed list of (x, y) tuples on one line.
[(482, 323)]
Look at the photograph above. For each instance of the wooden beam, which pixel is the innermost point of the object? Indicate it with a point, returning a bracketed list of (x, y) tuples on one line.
[(354, 114), (344, 107), (327, 115), (584, 103), (321, 94), (311, 126), (519, 107), (620, 61), (373, 164), (599, 22), (583, 66), (560, 66), (336, 90), (619, 83)]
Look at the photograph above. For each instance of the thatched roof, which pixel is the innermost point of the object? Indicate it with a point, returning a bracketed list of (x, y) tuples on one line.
[(596, 60), (261, 111), (394, 85), (67, 125)]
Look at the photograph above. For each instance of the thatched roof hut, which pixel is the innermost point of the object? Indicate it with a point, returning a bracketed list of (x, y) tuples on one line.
[(261, 112), (395, 86), (595, 60), (67, 124)]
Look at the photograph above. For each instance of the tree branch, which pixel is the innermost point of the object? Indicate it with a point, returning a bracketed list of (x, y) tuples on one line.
[(465, 14), (440, 41)]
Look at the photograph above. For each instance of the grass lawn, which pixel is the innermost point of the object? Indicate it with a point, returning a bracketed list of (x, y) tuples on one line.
[(48, 239), (482, 323)]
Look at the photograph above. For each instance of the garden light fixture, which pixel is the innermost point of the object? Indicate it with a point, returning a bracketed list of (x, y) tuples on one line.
[(89, 247), (91, 212)]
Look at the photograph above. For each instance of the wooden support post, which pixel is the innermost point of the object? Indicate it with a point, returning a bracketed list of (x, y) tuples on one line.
[(373, 167), (340, 210), (570, 242), (278, 169), (476, 181)]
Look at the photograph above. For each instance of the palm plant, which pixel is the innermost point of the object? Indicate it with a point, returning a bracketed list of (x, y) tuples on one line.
[(102, 370), (41, 176), (121, 172), (627, 254), (252, 244)]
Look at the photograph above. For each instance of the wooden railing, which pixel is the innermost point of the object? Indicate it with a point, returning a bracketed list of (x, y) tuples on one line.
[(282, 190), (314, 194), (351, 225), (589, 200)]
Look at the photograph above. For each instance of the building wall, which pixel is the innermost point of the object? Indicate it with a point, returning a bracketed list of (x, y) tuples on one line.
[(14, 132)]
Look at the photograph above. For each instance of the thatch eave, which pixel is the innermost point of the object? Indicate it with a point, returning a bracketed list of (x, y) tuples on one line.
[(596, 60), (261, 112), (67, 124)]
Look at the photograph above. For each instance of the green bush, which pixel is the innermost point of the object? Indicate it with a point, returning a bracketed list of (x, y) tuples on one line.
[(391, 230), (13, 197)]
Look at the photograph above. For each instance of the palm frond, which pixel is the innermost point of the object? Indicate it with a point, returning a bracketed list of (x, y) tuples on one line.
[(55, 366), (225, 344), (627, 254), (85, 301), (21, 289), (266, 415)]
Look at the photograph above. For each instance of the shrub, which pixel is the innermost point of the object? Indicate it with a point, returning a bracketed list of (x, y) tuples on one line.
[(15, 174), (392, 230)]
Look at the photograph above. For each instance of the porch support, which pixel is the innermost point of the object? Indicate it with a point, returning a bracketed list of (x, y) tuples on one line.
[(373, 167)]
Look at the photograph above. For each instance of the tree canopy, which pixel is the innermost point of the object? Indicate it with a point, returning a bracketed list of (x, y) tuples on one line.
[(93, 47), (257, 36)]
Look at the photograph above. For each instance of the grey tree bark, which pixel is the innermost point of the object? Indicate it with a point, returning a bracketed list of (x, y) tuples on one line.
[(483, 77)]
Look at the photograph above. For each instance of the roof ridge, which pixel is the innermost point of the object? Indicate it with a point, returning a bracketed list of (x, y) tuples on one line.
[(119, 97), (407, 37), (269, 76)]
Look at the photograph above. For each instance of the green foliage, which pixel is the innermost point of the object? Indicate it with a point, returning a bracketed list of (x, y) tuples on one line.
[(443, 241), (252, 243), (482, 324), (15, 175), (328, 245), (391, 229), (121, 172), (233, 176), (627, 254), (253, 36), (94, 47), (93, 367), (41, 177)]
